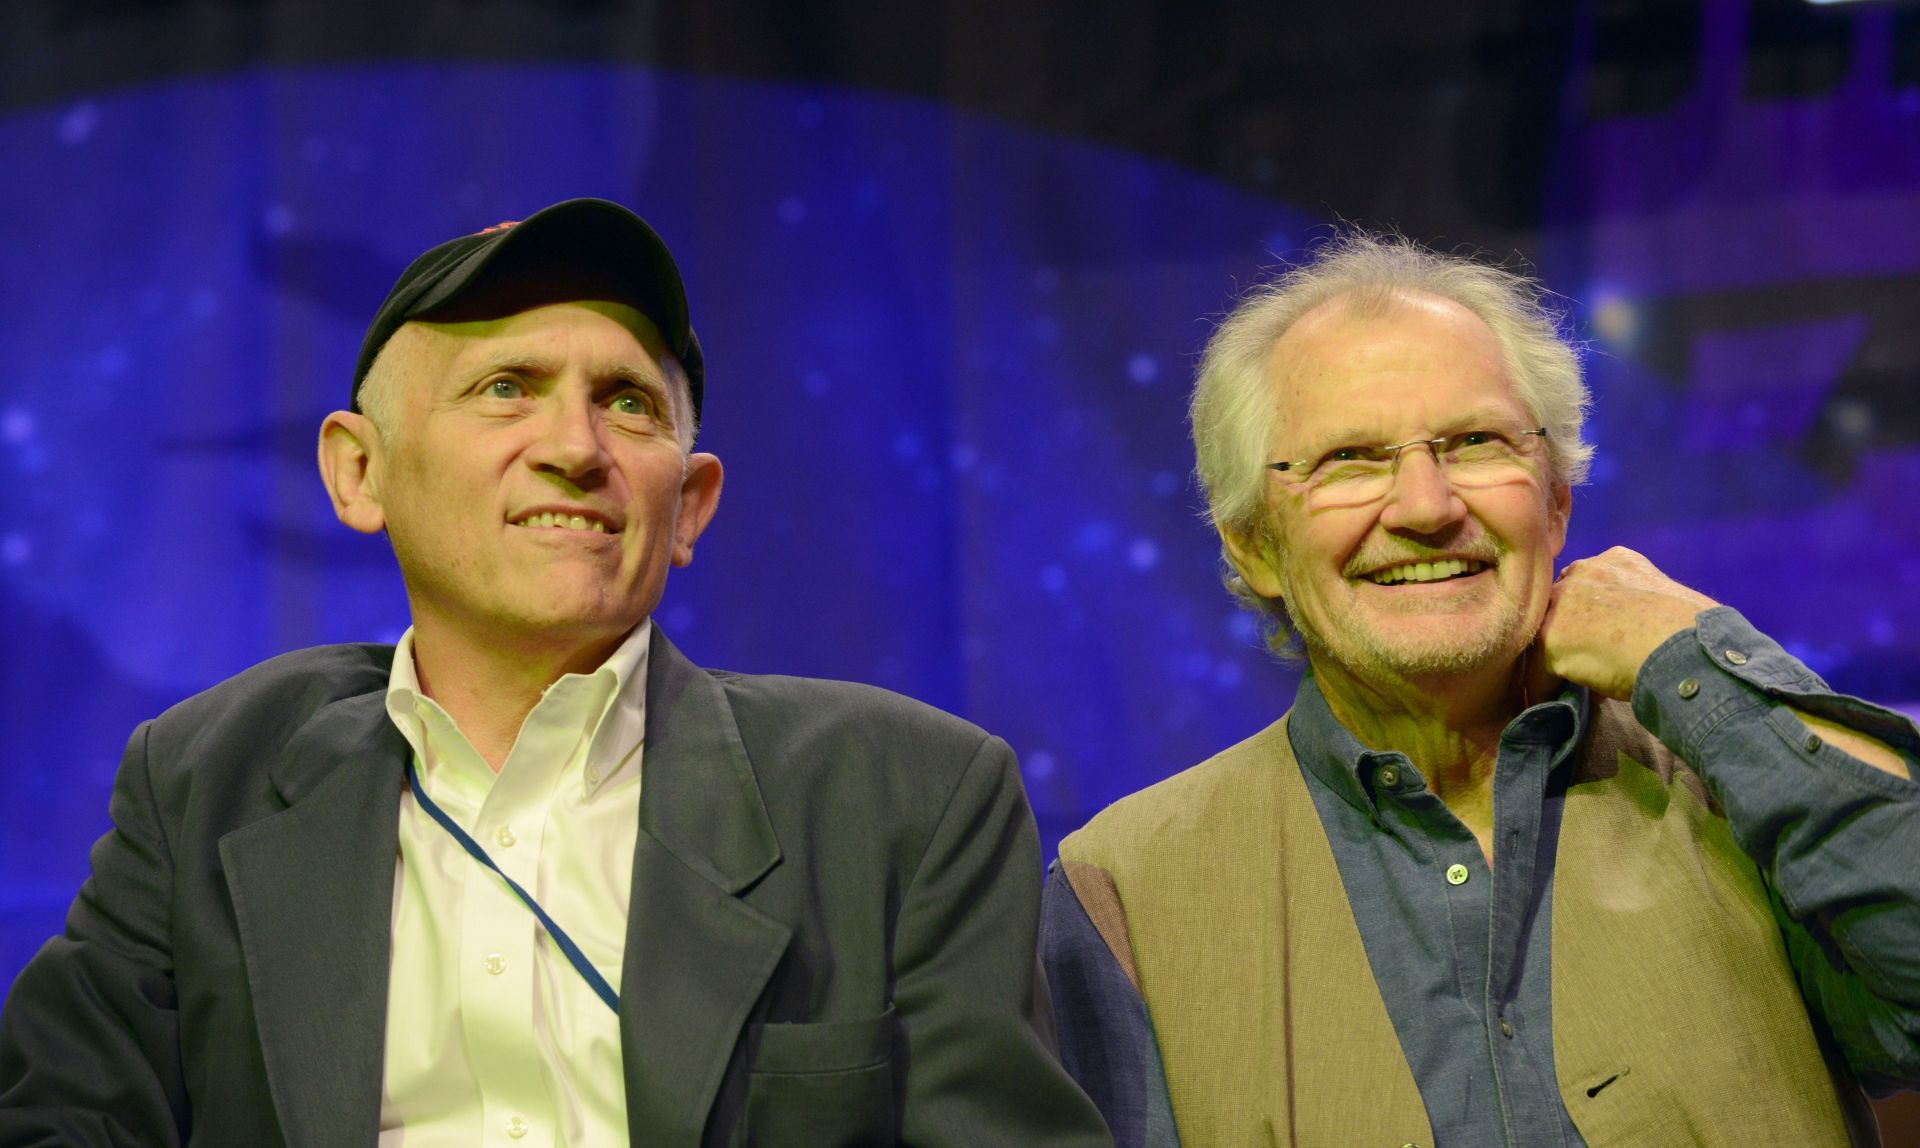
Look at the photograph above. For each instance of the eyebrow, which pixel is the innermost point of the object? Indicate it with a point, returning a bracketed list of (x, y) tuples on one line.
[(1482, 418), (520, 362)]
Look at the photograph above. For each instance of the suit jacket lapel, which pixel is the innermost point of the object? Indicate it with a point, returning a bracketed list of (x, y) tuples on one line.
[(697, 957), (312, 891)]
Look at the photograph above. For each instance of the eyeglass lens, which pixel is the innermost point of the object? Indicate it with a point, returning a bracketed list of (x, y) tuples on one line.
[(1473, 460)]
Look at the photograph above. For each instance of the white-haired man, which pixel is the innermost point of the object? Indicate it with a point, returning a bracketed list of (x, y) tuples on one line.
[(1530, 860)]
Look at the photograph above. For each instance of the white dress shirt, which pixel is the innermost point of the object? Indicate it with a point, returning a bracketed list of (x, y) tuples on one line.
[(493, 1037)]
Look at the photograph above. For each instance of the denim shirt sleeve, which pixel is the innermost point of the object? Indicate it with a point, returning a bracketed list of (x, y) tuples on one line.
[(1837, 839), (1107, 1042)]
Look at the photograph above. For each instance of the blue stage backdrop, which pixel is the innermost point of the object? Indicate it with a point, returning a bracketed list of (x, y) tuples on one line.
[(947, 366)]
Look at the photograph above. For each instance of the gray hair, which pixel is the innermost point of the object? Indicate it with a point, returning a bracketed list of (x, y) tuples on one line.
[(1231, 410), (380, 395)]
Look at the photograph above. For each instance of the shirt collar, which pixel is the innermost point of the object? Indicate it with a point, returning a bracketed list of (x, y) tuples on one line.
[(612, 701), (622, 725), (1336, 759)]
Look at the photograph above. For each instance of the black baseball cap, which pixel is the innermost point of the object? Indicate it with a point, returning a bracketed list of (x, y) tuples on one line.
[(595, 240)]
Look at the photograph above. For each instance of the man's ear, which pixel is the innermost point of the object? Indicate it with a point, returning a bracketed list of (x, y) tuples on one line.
[(1559, 515), (350, 465), (1255, 557), (699, 498)]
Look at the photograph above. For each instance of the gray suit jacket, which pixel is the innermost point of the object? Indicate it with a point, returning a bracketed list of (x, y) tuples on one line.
[(831, 937)]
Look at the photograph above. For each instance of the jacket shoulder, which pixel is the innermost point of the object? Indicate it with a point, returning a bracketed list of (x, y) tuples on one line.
[(824, 750), (1186, 809), (805, 710), (275, 697)]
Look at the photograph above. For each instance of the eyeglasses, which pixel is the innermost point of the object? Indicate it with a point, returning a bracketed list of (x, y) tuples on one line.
[(1356, 475)]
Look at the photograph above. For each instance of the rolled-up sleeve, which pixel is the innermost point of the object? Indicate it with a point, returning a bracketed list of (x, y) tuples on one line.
[(1838, 840)]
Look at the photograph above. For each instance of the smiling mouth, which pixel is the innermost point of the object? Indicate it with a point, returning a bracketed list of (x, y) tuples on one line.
[(1440, 571), (551, 521)]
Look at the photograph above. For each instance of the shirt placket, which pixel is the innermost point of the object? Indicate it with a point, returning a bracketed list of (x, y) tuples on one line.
[(499, 942), (1456, 875), (471, 971), (1527, 1099)]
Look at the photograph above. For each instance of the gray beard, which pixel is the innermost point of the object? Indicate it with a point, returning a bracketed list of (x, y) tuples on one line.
[(1364, 653)]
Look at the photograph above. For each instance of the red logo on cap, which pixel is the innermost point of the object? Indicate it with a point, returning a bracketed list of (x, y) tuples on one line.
[(498, 227)]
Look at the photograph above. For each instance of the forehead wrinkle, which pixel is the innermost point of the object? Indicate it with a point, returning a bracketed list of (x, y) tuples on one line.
[(488, 345), (1351, 337), (1379, 309), (470, 349)]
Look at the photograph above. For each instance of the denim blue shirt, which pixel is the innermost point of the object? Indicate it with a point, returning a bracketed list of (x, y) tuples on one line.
[(1464, 963), (1460, 951)]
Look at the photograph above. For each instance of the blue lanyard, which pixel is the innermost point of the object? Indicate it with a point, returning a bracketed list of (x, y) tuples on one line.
[(591, 975)]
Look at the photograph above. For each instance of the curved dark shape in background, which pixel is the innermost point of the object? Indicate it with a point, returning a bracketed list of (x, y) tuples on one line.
[(952, 265)]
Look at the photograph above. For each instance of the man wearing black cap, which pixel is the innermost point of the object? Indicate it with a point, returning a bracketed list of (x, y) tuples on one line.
[(530, 876)]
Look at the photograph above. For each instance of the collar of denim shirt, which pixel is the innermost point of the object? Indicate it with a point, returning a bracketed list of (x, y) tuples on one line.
[(1335, 758)]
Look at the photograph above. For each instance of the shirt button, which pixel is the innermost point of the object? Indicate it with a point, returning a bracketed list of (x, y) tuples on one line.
[(1389, 776), (495, 964), (1456, 874), (1688, 687), (1813, 743), (593, 775), (505, 837), (517, 1127), (1506, 1029), (1735, 657)]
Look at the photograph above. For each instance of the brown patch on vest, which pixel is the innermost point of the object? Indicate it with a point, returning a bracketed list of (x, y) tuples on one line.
[(1614, 731), (1100, 897)]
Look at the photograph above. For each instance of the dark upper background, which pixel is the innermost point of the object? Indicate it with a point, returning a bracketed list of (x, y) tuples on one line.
[(952, 262)]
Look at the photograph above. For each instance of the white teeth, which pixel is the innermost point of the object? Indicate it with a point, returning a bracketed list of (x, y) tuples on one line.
[(547, 520), (1426, 571)]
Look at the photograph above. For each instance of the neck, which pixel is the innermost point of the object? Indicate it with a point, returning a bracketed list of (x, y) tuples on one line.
[(1447, 724), (489, 682)]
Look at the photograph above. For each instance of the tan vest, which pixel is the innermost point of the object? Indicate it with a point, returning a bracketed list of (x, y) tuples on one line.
[(1676, 1018)]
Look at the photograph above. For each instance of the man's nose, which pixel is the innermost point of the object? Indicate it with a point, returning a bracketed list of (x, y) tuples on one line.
[(1421, 499), (572, 437)]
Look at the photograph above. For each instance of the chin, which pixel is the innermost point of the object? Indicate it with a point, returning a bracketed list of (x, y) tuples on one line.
[(1451, 658), (1407, 648), (583, 623)]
